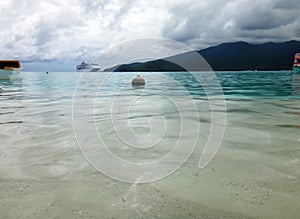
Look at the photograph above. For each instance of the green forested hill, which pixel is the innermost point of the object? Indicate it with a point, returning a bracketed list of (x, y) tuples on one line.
[(232, 56)]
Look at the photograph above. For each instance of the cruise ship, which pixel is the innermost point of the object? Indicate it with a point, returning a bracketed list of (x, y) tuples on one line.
[(87, 67), (9, 68)]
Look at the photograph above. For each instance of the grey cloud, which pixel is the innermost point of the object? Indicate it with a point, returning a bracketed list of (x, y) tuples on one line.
[(262, 18), (297, 32), (93, 6), (199, 25), (186, 22), (124, 9), (108, 14), (283, 4), (44, 34), (212, 23)]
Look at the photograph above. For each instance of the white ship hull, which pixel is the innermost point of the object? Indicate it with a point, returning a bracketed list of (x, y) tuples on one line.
[(86, 67)]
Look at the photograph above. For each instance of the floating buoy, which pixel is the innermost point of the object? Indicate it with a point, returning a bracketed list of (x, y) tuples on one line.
[(138, 80)]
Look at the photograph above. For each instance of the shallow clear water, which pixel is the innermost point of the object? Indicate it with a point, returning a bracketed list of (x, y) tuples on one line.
[(255, 173)]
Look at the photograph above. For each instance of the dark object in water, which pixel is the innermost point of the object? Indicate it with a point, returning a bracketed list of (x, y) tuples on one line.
[(138, 80)]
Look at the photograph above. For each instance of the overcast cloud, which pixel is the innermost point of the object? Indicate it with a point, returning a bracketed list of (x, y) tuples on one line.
[(61, 33)]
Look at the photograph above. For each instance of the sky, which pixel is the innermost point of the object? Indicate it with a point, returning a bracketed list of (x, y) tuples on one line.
[(56, 35)]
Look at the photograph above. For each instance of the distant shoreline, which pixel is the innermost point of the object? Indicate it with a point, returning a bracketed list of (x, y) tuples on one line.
[(238, 56)]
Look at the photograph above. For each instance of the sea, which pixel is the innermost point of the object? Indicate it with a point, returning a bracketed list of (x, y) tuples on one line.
[(184, 145)]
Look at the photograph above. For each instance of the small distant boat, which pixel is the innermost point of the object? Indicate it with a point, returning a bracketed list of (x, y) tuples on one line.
[(8, 68), (89, 67), (296, 66)]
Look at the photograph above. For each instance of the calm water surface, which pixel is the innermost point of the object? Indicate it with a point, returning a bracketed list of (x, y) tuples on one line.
[(255, 173)]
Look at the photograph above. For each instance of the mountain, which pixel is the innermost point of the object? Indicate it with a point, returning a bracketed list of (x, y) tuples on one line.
[(245, 56), (229, 57)]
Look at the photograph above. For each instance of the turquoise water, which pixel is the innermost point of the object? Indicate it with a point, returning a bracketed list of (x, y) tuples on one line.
[(255, 173)]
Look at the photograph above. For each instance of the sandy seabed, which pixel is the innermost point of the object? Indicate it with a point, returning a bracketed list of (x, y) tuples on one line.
[(46, 176), (43, 173)]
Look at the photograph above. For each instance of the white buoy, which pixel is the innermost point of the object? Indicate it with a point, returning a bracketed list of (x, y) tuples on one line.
[(138, 80)]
